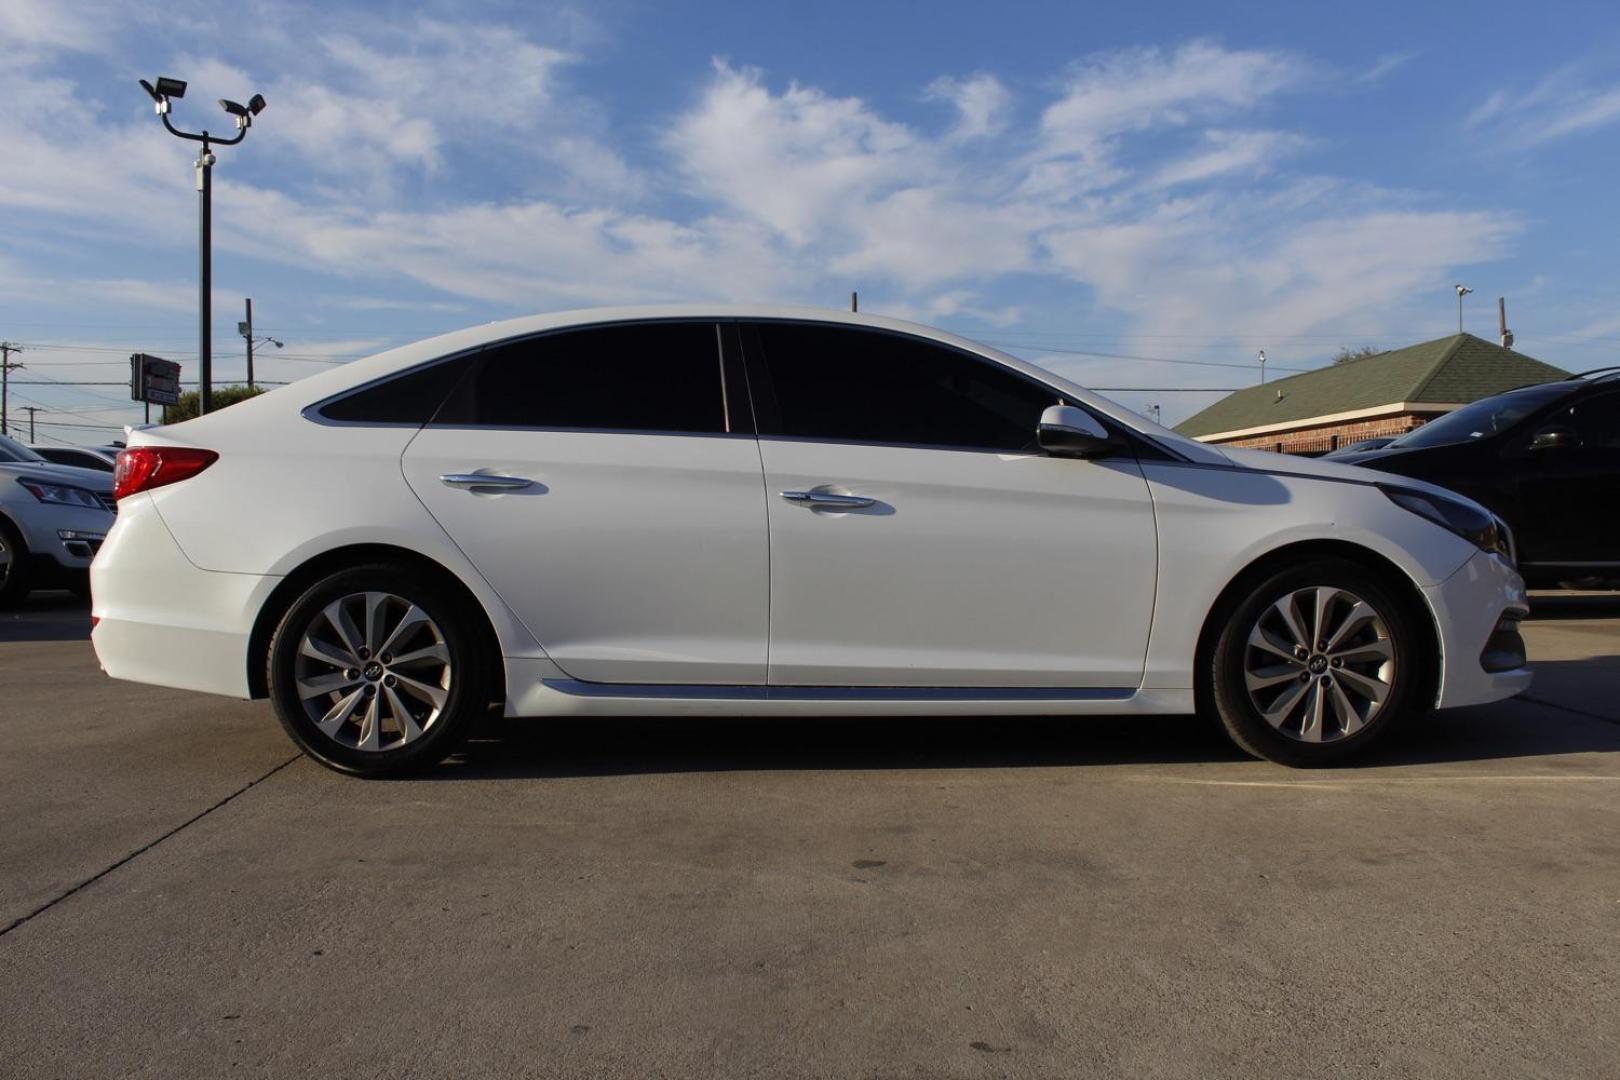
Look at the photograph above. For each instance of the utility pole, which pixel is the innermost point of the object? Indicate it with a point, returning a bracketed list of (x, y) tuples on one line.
[(854, 302), (30, 410), (248, 334), (6, 368)]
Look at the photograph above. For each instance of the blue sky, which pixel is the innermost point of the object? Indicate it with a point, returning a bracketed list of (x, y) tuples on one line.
[(1190, 182)]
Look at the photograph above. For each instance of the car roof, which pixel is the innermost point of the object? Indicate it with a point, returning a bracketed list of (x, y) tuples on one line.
[(318, 387)]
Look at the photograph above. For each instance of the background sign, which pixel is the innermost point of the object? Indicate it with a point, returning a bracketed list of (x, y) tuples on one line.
[(154, 380)]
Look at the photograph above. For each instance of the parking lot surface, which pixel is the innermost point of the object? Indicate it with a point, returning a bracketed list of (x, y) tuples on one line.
[(183, 896)]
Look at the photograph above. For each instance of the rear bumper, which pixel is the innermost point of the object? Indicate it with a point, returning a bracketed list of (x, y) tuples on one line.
[(1472, 608), (163, 621)]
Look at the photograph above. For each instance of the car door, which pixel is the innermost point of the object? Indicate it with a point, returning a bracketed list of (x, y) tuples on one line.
[(1570, 483), (606, 482), (918, 538)]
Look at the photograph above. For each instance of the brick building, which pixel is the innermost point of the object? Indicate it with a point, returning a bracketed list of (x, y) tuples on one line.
[(1387, 394)]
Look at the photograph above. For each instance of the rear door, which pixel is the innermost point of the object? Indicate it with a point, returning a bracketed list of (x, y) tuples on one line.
[(919, 538), (606, 482)]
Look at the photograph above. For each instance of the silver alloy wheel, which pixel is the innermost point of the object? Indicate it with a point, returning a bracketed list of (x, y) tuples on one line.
[(373, 671), (1320, 664)]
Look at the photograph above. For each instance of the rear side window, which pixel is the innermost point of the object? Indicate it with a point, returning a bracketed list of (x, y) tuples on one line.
[(411, 398), (853, 385), (643, 377)]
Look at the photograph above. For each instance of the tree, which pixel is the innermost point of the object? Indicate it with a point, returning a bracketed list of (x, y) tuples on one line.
[(1347, 354), (187, 408)]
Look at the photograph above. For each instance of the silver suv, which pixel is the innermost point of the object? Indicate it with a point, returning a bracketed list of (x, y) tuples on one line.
[(53, 519)]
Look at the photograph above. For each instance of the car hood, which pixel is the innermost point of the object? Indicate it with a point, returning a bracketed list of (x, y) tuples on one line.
[(89, 479), (1340, 469)]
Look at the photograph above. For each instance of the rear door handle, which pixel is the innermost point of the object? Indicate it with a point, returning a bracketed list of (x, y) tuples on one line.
[(476, 482), (827, 499)]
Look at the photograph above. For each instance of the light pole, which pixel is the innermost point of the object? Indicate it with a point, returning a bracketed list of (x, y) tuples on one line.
[(243, 114), (1262, 367), (1462, 291), (246, 330)]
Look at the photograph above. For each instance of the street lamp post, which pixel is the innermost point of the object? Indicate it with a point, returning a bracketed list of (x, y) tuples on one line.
[(243, 114), (1462, 291)]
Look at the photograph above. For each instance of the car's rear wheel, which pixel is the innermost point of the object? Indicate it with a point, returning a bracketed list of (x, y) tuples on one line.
[(375, 671), (1315, 663), (14, 583)]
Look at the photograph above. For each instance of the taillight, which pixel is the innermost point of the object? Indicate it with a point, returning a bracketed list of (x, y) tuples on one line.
[(142, 468)]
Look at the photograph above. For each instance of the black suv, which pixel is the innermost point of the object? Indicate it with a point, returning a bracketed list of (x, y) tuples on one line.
[(1546, 458)]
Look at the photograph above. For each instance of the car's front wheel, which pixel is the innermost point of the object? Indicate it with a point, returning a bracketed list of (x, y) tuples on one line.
[(14, 583), (1316, 662), (375, 671)]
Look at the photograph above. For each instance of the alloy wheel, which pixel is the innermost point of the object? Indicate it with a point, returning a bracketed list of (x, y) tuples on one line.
[(1319, 664), (373, 671)]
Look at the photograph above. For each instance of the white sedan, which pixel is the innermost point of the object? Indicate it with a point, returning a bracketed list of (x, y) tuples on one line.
[(776, 512)]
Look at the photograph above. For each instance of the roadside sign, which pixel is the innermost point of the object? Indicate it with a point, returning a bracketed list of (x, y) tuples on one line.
[(154, 380)]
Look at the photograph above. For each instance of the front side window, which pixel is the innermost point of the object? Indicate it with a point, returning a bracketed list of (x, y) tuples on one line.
[(854, 385), (1482, 419), (1596, 421), (663, 377)]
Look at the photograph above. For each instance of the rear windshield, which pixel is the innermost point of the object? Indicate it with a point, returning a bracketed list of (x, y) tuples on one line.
[(1484, 418)]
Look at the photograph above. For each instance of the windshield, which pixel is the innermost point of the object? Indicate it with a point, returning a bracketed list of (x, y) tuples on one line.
[(12, 450), (1484, 418)]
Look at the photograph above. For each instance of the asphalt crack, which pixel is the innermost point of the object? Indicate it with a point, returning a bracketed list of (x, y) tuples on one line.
[(144, 848)]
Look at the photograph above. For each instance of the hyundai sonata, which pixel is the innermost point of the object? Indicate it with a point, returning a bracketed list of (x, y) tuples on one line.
[(775, 512)]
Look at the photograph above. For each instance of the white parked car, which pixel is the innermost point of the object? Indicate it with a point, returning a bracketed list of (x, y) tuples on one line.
[(52, 521), (776, 512)]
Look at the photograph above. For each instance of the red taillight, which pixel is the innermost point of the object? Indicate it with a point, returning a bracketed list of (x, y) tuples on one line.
[(142, 468)]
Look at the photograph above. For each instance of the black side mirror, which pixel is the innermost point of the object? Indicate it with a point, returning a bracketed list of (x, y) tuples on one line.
[(1066, 431), (1554, 437)]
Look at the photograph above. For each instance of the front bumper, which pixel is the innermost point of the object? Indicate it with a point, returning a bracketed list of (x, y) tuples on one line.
[(159, 619), (67, 536), (1476, 610)]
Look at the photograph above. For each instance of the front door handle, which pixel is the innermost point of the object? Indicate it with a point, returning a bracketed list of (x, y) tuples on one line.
[(827, 500), (487, 482)]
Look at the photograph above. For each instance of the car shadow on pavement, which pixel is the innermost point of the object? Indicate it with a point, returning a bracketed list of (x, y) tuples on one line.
[(46, 616), (576, 747)]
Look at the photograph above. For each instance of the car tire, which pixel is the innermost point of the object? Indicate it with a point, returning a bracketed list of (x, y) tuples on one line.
[(378, 670), (1314, 663), (15, 580)]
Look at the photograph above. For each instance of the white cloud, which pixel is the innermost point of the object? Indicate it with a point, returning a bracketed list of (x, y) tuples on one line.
[(1228, 152), (981, 104), (1562, 104)]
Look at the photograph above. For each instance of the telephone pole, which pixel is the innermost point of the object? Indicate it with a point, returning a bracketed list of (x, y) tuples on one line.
[(30, 410), (248, 334), (6, 368)]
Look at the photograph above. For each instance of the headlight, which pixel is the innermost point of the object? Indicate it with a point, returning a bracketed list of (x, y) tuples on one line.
[(61, 494), (1473, 523)]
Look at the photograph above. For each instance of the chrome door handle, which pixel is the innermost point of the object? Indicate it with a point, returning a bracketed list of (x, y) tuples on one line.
[(485, 481), (827, 499)]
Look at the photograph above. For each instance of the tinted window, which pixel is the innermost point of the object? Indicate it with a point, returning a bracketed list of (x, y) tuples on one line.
[(411, 398), (647, 377), (1596, 421), (833, 382)]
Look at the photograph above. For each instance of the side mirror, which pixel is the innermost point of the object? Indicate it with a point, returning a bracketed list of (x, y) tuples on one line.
[(1066, 431), (1554, 438)]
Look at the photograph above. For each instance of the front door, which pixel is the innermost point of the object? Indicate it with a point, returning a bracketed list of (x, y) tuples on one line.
[(917, 536), (606, 482), (1571, 492)]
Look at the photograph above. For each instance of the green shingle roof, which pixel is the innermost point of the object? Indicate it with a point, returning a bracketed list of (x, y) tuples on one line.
[(1450, 370)]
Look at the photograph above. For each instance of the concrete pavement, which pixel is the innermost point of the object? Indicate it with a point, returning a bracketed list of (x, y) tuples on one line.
[(848, 898)]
